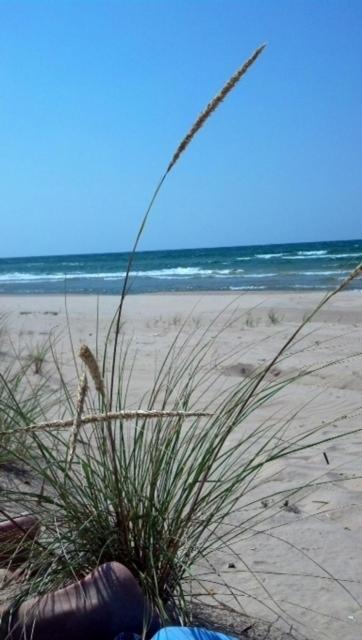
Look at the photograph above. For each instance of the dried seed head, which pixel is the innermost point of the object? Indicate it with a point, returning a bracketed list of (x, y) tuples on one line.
[(81, 395), (91, 363), (73, 437), (213, 105), (356, 273)]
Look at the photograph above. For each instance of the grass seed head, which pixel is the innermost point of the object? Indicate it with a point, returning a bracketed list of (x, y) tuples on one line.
[(91, 363), (214, 104)]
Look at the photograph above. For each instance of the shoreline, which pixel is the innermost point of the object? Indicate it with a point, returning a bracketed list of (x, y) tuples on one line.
[(211, 292), (212, 299)]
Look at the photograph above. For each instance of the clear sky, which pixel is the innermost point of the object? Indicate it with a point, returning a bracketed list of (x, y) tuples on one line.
[(96, 94)]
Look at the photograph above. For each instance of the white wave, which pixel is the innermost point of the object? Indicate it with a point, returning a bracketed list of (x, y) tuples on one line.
[(177, 272), (267, 256), (27, 277), (317, 273), (42, 277), (246, 288), (259, 275), (346, 255), (188, 272), (309, 287), (306, 255), (312, 253), (162, 275), (324, 257)]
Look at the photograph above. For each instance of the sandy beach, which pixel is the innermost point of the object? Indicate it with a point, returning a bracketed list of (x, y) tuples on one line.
[(306, 552)]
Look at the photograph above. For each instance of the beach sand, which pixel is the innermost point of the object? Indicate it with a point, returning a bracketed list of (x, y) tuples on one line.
[(300, 550)]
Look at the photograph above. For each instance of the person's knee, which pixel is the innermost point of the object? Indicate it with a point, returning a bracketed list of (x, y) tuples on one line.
[(106, 602)]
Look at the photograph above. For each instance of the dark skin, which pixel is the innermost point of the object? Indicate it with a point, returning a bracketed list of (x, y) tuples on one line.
[(106, 602)]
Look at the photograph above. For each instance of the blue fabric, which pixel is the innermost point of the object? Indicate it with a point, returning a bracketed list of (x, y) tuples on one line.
[(190, 633)]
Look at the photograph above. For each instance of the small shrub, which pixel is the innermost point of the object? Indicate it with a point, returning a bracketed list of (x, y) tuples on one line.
[(176, 320), (273, 317), (36, 357), (250, 321)]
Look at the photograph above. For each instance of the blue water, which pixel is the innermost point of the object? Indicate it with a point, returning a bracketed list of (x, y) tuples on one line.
[(321, 265)]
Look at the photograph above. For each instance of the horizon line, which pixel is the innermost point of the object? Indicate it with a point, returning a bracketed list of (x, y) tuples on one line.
[(236, 246)]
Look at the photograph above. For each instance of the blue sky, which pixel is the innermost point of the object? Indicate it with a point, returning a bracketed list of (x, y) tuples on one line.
[(96, 95)]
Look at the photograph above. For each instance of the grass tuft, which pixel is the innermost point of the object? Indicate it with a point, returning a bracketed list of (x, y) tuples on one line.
[(273, 317)]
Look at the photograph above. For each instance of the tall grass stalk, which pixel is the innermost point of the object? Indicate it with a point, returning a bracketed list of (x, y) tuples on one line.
[(198, 124)]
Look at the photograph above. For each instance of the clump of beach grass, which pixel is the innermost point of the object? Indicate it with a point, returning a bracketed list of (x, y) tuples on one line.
[(273, 317), (36, 357), (250, 320), (23, 400)]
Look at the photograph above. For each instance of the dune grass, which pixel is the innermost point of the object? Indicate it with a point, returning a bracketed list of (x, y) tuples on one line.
[(24, 398)]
